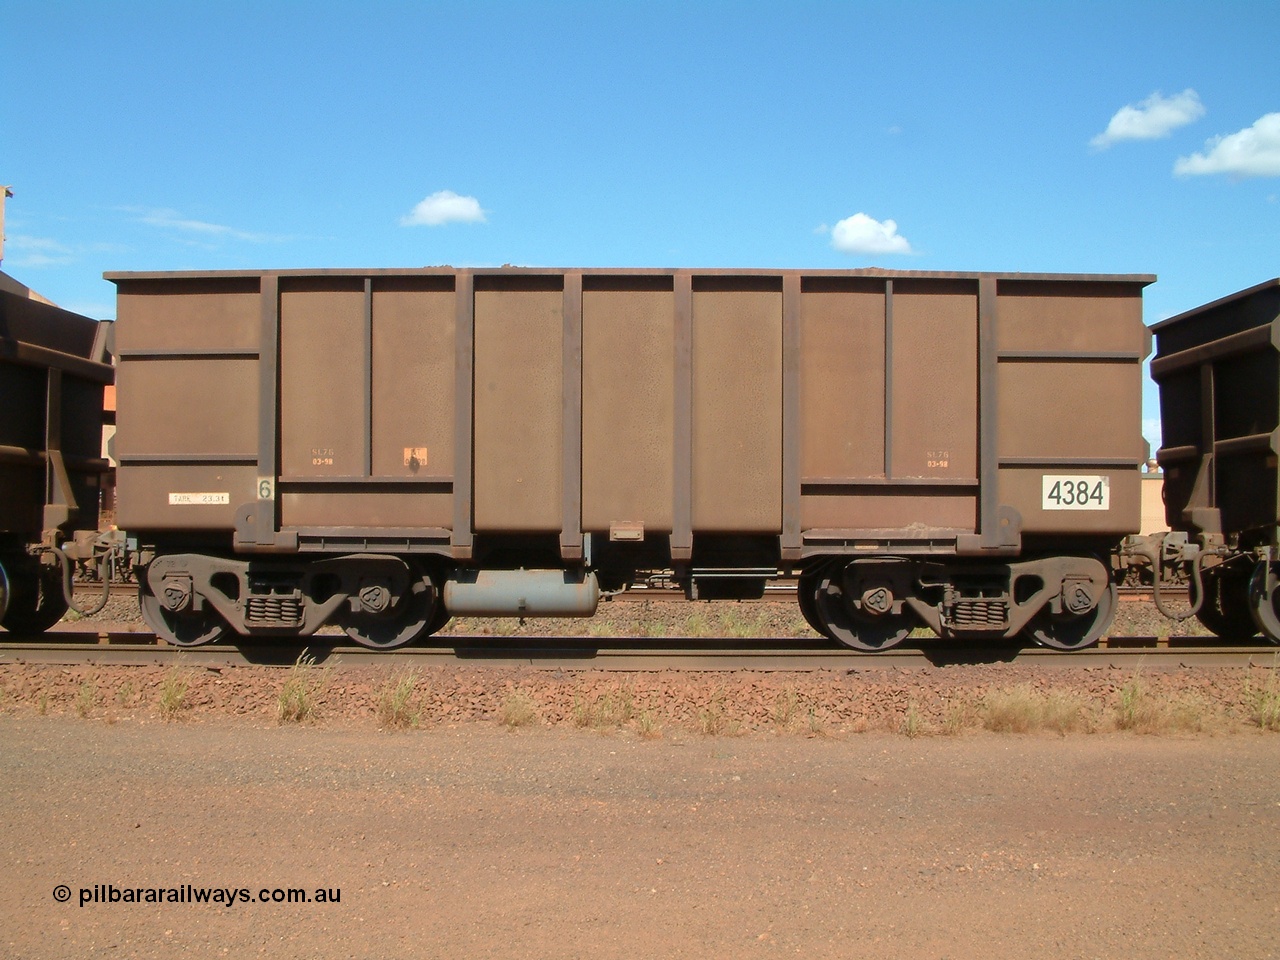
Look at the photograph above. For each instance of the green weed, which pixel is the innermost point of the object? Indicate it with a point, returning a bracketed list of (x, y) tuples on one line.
[(1263, 702), (86, 698)]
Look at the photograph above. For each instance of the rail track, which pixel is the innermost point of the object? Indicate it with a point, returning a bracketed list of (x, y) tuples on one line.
[(132, 644), (128, 645)]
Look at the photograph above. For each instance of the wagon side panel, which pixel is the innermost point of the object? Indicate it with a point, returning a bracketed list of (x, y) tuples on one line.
[(737, 405), (1069, 389), (888, 409), (187, 401), (519, 396), (628, 405)]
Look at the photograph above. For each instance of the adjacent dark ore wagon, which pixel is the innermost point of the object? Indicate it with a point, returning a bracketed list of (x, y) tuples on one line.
[(53, 368), (1218, 368), (385, 449)]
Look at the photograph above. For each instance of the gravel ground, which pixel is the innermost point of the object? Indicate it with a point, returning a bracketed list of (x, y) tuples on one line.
[(923, 701), (471, 841), (458, 812), (915, 702)]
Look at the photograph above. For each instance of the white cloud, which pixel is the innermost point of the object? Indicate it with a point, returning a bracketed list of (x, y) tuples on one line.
[(35, 252), (174, 221), (41, 244), (443, 207), (1252, 152), (863, 234), (1153, 118)]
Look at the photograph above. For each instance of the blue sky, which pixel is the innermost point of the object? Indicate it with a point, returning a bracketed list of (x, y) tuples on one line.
[(165, 136)]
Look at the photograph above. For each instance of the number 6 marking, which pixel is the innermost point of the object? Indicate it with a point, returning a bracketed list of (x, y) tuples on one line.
[(266, 488)]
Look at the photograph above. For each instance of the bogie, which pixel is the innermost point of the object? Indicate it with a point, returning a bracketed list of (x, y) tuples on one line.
[(1064, 602), (380, 601)]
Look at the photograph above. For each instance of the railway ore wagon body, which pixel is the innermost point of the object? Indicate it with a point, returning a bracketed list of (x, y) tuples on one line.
[(1218, 369), (53, 369), (384, 449)]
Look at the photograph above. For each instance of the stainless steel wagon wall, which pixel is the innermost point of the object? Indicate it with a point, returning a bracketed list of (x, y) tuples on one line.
[(836, 411)]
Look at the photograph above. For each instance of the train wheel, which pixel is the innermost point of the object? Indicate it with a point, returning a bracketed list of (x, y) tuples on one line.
[(34, 603), (438, 619), (1226, 607), (1263, 597), (853, 628), (4, 592), (181, 630), (806, 594), (1073, 632), (416, 618)]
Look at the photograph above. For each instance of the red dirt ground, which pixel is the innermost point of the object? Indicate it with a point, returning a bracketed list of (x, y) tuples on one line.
[(472, 841)]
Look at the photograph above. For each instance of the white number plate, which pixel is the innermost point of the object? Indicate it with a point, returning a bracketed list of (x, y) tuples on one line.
[(1075, 493), (199, 499)]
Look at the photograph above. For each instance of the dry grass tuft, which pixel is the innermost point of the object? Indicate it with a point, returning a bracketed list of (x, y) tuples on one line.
[(714, 719), (696, 626), (913, 722), (613, 708), (518, 710), (173, 694), (395, 701), (1263, 702), (647, 725), (737, 623), (959, 716), (86, 699), (1139, 711), (1023, 709), (298, 696), (815, 725), (786, 708)]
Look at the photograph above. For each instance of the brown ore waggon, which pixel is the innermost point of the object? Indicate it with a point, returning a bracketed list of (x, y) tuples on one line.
[(54, 366), (384, 449), (1218, 368)]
